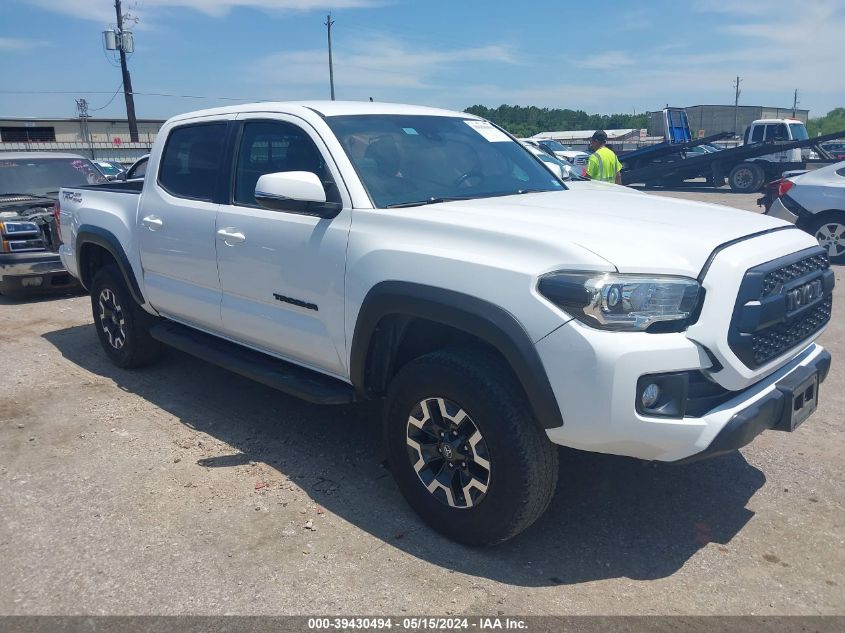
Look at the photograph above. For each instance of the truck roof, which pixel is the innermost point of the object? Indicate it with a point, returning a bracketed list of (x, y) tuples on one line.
[(778, 121), (327, 108)]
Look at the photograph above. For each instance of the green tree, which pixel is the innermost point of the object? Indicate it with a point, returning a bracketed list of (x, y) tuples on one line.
[(833, 121), (524, 121)]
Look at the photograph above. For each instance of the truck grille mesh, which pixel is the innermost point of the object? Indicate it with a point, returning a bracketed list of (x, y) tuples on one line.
[(771, 342), (774, 281)]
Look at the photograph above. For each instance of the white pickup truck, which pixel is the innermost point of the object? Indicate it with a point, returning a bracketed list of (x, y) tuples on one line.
[(343, 251)]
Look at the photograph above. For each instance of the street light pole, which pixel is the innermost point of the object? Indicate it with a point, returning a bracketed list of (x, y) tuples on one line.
[(127, 80)]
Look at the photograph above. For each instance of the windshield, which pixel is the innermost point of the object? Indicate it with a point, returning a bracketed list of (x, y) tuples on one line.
[(799, 132), (556, 146), (403, 159), (40, 176), (110, 169)]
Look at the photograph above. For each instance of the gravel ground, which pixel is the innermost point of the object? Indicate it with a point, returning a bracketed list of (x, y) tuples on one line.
[(183, 488)]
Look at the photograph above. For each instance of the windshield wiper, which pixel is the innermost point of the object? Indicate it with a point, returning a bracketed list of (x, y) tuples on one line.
[(419, 203)]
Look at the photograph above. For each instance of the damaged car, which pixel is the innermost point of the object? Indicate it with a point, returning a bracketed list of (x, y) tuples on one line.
[(29, 228)]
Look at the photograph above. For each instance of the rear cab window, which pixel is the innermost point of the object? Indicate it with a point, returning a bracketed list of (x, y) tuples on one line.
[(190, 163)]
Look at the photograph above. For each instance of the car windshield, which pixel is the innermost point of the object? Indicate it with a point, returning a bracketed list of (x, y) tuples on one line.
[(799, 132), (109, 169), (556, 146), (41, 176), (408, 159)]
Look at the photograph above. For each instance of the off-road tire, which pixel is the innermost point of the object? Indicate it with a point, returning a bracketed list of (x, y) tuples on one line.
[(126, 338), (523, 463)]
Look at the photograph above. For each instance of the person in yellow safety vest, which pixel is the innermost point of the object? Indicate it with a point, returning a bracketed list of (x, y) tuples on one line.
[(603, 164)]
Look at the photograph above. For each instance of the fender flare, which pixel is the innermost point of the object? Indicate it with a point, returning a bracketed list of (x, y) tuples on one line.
[(467, 313), (89, 234)]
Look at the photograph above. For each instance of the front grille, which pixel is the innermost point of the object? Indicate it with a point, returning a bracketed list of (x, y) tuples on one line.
[(774, 281), (769, 318), (769, 343)]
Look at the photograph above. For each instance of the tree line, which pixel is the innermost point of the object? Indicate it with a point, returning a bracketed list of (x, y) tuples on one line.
[(524, 121)]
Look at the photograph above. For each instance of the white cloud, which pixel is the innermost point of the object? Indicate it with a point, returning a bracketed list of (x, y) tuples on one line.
[(380, 64), (16, 44)]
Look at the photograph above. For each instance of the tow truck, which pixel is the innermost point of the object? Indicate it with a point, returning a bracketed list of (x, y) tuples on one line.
[(770, 147)]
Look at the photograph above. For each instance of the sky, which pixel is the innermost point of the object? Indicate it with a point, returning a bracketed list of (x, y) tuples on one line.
[(603, 57)]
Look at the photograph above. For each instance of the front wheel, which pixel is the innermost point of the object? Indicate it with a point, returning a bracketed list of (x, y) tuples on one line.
[(830, 232), (123, 327), (464, 448)]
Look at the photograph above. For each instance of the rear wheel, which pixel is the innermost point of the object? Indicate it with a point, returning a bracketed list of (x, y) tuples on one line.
[(746, 178), (464, 448), (123, 327), (830, 232)]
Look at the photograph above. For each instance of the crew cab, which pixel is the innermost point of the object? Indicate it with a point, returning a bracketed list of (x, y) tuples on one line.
[(344, 251), (29, 238)]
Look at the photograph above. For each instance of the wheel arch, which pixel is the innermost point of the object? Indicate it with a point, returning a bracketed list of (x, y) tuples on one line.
[(392, 307), (94, 247)]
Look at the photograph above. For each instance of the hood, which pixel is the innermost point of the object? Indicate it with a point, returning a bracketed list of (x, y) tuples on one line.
[(634, 232)]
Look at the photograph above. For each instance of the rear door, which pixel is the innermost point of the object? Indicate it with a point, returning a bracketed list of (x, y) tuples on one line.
[(176, 224), (282, 274)]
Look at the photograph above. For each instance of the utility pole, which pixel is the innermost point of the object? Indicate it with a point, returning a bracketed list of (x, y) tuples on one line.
[(82, 111), (328, 24), (795, 103), (127, 80), (736, 105)]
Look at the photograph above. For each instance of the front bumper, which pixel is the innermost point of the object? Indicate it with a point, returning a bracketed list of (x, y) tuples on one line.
[(15, 268), (597, 395)]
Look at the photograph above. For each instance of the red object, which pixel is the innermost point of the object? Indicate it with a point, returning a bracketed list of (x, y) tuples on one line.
[(784, 186), (116, 141), (57, 213)]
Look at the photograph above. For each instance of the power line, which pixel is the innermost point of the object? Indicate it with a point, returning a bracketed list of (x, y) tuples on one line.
[(108, 103)]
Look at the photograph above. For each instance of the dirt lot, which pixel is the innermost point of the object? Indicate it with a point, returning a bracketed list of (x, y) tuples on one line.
[(182, 488)]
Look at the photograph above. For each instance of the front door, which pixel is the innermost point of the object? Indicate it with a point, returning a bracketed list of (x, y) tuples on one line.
[(282, 273), (177, 225)]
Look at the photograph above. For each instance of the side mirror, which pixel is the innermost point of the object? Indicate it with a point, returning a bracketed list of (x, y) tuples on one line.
[(295, 192)]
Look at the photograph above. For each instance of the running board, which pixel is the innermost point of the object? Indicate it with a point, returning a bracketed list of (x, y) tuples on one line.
[(292, 379)]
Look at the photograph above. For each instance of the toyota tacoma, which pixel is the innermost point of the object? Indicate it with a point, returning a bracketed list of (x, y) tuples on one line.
[(344, 251)]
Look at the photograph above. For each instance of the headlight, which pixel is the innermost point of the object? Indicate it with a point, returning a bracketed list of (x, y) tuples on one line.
[(611, 301), (15, 229)]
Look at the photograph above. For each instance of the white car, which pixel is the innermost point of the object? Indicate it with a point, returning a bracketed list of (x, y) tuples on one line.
[(815, 202), (344, 251)]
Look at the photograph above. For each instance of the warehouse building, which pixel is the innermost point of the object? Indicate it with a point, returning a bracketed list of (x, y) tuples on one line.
[(105, 139), (705, 120)]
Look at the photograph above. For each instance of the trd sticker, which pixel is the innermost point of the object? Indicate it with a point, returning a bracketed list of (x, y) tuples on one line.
[(72, 196)]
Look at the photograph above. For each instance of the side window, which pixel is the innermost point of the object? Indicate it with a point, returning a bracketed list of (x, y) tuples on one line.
[(138, 170), (757, 134), (189, 164), (776, 132), (268, 147)]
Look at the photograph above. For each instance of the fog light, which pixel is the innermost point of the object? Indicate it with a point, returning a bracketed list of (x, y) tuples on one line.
[(650, 395)]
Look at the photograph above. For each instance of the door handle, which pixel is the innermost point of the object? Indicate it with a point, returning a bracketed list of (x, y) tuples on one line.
[(231, 236), (152, 222)]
